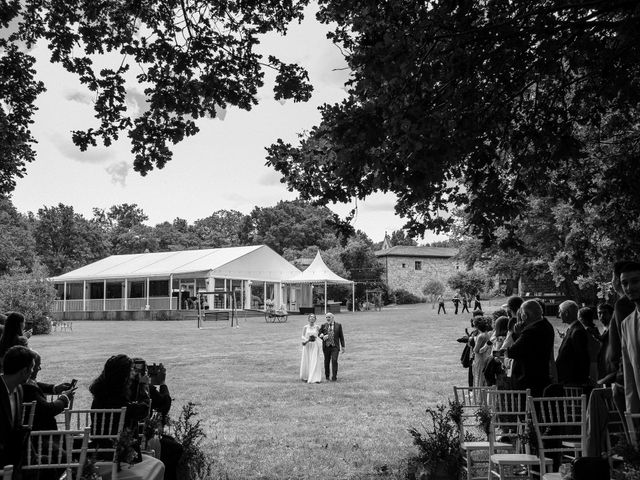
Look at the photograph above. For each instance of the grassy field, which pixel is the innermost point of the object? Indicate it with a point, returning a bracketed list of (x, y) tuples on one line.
[(262, 421)]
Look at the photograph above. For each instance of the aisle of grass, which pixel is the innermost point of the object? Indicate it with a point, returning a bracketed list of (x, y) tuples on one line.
[(262, 421)]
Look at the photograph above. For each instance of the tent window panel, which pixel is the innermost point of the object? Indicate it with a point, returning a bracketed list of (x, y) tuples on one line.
[(96, 290), (271, 290), (74, 291), (219, 284), (201, 284), (114, 290), (136, 289), (158, 288)]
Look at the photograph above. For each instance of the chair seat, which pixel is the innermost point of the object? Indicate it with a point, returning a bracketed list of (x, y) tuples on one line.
[(469, 446), (572, 444), (517, 459), (552, 476)]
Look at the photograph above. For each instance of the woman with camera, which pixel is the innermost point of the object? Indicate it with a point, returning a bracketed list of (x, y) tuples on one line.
[(311, 365)]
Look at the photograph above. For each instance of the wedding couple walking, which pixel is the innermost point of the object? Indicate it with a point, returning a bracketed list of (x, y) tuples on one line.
[(329, 339)]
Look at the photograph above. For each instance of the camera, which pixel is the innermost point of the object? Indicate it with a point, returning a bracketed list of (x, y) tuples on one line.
[(153, 369)]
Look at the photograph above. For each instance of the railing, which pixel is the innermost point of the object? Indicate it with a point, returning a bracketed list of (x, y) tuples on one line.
[(115, 304)]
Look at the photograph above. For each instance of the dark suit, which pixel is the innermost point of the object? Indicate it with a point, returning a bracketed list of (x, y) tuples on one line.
[(46, 411), (531, 353), (573, 356), (331, 351), (13, 436)]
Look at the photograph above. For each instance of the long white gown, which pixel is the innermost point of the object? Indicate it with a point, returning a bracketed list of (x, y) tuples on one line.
[(311, 363)]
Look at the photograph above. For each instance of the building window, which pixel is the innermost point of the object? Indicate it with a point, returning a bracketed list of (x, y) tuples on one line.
[(418, 265), (404, 265)]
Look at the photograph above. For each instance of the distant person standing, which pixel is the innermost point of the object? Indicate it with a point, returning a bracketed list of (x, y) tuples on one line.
[(456, 302), (476, 305), (441, 305), (465, 304)]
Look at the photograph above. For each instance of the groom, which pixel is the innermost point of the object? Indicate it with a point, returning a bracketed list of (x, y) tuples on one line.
[(332, 339)]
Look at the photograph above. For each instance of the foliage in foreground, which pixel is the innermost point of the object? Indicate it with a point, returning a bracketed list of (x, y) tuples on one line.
[(195, 463)]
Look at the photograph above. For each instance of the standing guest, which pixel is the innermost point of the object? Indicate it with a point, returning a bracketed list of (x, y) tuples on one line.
[(465, 304), (456, 303), (441, 305), (481, 351), (613, 356), (605, 313), (586, 316), (332, 338), (476, 305), (18, 365), (46, 411), (573, 356), (630, 335), (13, 334), (531, 350), (513, 305)]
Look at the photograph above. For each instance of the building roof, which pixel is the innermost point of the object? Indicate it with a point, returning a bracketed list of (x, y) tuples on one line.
[(254, 262), (409, 251), (317, 272)]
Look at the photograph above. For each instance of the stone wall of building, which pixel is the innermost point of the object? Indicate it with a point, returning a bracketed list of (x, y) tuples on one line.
[(401, 272)]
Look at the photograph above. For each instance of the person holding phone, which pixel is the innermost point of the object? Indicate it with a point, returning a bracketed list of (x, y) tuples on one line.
[(46, 411)]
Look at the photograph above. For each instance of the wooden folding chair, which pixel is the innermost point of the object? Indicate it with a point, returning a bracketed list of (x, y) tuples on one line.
[(6, 472), (106, 425), (471, 399), (53, 450), (28, 413), (506, 407)]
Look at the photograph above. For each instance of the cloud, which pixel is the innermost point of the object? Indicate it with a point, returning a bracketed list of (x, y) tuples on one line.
[(92, 155), (269, 178), (80, 97), (118, 172), (136, 102)]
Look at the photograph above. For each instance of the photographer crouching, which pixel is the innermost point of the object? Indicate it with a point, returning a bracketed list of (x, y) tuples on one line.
[(149, 387)]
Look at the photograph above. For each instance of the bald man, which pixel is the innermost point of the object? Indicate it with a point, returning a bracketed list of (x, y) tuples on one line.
[(573, 355), (532, 350)]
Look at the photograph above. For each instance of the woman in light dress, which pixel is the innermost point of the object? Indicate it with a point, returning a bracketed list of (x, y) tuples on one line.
[(311, 364), (481, 351)]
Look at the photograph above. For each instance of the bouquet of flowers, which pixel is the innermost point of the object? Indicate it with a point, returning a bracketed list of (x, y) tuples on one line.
[(312, 338)]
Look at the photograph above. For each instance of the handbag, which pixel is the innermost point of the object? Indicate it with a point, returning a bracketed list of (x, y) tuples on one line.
[(465, 358)]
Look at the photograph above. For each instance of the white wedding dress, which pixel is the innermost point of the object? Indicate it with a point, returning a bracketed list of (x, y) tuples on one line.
[(311, 363)]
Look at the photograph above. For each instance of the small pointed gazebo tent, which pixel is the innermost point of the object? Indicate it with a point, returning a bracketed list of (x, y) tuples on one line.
[(319, 273)]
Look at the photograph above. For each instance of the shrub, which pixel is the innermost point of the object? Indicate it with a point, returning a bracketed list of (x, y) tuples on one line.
[(404, 297), (30, 294), (195, 463)]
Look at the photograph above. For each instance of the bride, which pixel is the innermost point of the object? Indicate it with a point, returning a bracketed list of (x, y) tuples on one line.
[(311, 364)]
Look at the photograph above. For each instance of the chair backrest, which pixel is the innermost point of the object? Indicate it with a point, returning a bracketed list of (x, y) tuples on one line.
[(53, 449), (509, 411), (106, 425), (28, 413), (60, 419), (471, 399), (632, 419), (560, 423), (6, 472)]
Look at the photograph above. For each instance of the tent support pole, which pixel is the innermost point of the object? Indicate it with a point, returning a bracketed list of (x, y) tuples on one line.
[(353, 297), (325, 297)]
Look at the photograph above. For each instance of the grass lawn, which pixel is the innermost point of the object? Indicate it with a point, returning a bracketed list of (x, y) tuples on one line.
[(262, 421)]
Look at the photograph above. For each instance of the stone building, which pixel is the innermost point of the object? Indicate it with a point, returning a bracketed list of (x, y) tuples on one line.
[(411, 268)]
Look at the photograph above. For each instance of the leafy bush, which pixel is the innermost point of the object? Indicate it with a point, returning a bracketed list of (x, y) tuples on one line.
[(403, 296), (433, 288), (471, 282), (30, 294), (194, 464)]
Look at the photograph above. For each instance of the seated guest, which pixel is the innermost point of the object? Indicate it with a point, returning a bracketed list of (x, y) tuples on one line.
[(572, 361), (112, 389), (13, 334), (46, 411), (18, 365)]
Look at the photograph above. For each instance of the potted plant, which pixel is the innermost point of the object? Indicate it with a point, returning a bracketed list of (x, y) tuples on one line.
[(439, 455)]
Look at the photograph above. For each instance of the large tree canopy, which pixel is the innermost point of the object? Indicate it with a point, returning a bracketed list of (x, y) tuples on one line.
[(471, 103), (191, 57)]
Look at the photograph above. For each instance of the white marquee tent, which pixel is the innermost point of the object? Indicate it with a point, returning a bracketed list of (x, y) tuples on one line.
[(319, 274)]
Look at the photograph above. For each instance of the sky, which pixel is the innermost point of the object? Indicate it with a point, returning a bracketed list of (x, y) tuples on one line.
[(222, 167)]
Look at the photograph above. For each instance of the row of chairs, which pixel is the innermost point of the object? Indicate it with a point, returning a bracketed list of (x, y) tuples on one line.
[(83, 432), (558, 424)]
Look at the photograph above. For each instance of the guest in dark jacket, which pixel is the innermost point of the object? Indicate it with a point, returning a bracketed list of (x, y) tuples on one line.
[(46, 411), (531, 350), (573, 355)]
